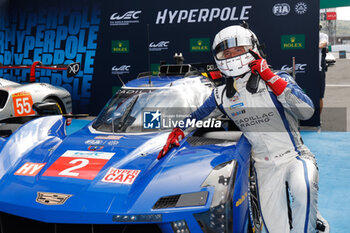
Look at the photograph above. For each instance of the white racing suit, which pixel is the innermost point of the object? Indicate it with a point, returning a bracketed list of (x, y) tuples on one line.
[(270, 123)]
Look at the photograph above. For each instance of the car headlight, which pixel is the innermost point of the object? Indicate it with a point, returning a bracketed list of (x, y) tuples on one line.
[(218, 218), (221, 179)]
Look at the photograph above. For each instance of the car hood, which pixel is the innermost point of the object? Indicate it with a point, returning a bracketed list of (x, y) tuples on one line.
[(85, 167)]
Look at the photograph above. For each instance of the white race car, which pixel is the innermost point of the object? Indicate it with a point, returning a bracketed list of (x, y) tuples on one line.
[(16, 100)]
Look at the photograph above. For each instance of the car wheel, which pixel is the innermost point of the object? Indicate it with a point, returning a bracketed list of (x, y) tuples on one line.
[(255, 218), (51, 100)]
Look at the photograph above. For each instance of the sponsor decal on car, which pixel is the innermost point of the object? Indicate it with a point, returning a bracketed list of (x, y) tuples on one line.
[(123, 69), (123, 19), (161, 45), (120, 46), (22, 104), (79, 164), (292, 41), (94, 142), (203, 15), (52, 198), (29, 169), (200, 44), (95, 148), (281, 9), (113, 143), (108, 137), (242, 199), (120, 176)]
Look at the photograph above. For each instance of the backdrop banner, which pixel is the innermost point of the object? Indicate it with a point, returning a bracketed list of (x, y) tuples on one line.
[(124, 38)]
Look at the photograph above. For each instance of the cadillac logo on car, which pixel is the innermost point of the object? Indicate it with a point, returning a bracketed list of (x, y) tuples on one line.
[(52, 198)]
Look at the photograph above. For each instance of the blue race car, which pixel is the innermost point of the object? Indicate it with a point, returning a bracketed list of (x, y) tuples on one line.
[(106, 177)]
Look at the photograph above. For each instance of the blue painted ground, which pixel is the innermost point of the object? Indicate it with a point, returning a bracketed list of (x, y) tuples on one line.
[(332, 150)]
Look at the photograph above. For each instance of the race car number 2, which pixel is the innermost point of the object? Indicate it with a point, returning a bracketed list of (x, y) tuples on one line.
[(22, 104), (79, 164)]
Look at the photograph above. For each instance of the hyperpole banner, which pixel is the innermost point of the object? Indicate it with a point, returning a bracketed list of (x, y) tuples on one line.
[(124, 38)]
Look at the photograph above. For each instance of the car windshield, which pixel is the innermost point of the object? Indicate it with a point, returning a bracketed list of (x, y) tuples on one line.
[(142, 110)]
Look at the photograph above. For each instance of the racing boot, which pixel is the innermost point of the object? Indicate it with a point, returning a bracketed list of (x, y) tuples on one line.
[(322, 225)]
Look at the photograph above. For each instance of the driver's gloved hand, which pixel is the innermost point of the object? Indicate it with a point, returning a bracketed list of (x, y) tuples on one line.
[(259, 67), (174, 139)]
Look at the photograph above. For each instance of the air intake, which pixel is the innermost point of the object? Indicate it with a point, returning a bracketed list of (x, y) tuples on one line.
[(3, 98)]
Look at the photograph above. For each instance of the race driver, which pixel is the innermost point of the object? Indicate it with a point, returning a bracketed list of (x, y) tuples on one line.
[(266, 107)]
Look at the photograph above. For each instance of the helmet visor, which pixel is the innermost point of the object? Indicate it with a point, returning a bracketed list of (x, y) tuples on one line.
[(224, 50)]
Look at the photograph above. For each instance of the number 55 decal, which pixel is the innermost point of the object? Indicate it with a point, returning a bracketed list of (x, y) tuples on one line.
[(22, 104), (78, 164)]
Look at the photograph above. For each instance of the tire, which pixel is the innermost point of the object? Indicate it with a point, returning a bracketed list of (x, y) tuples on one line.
[(255, 218), (51, 100)]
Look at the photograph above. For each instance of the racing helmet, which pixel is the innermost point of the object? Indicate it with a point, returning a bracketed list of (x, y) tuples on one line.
[(237, 37)]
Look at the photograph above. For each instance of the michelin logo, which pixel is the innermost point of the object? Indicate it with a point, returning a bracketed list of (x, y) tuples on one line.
[(203, 15)]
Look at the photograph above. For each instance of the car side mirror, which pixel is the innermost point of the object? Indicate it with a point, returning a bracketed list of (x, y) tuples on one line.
[(46, 109)]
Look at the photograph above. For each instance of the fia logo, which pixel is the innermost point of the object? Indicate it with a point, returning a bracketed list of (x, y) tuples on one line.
[(151, 119), (281, 9)]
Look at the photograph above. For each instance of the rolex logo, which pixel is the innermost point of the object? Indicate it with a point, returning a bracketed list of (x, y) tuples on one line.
[(200, 44), (120, 46), (296, 41)]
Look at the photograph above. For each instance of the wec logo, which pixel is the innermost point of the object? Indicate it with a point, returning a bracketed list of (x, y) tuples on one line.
[(299, 68), (127, 18), (162, 45), (124, 69), (127, 15)]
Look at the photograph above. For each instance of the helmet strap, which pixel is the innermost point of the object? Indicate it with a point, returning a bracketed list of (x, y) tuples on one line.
[(253, 83), (230, 89)]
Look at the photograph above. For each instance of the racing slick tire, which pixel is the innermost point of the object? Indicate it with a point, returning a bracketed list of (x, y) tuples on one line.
[(59, 106)]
